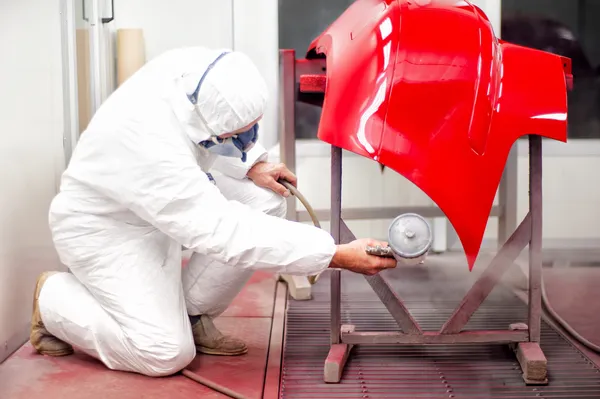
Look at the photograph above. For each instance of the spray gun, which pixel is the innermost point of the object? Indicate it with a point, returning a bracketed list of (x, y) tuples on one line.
[(409, 235), (409, 239)]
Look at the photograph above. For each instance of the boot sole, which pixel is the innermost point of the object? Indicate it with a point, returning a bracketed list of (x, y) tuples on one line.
[(58, 353), (217, 352)]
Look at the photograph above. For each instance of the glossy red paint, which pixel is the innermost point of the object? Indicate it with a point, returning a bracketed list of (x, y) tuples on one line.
[(425, 88)]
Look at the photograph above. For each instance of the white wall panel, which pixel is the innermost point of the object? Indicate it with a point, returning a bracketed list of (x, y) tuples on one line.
[(31, 155)]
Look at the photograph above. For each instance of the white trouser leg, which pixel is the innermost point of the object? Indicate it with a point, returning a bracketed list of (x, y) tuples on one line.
[(125, 308), (210, 286)]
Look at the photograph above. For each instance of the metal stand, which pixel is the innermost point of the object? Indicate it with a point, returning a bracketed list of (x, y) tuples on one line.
[(526, 337)]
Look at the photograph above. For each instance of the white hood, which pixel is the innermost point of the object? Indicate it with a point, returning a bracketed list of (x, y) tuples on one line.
[(233, 93)]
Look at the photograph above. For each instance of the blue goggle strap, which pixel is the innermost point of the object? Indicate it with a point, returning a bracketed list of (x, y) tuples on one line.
[(194, 96)]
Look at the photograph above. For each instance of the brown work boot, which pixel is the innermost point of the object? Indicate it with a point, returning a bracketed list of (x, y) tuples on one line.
[(44, 342), (210, 341)]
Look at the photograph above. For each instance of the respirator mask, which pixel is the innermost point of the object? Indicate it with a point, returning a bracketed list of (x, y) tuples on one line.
[(235, 146)]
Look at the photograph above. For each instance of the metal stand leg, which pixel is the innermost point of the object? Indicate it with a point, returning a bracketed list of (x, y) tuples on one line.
[(336, 219), (339, 352), (530, 355), (298, 286), (287, 110), (535, 244)]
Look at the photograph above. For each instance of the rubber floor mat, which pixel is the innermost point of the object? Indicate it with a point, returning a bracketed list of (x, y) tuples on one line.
[(426, 372)]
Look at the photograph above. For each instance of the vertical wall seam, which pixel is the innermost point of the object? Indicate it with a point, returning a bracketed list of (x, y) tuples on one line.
[(233, 25)]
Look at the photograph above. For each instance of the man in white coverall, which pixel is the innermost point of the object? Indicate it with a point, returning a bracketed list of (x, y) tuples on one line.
[(138, 189)]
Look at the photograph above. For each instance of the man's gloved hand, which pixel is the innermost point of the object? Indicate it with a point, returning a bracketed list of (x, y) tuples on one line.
[(266, 174), (354, 257)]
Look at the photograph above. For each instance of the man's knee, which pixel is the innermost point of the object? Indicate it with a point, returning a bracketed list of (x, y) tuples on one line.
[(168, 355)]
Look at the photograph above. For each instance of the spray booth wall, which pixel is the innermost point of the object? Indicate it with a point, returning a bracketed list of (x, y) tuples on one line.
[(31, 155)]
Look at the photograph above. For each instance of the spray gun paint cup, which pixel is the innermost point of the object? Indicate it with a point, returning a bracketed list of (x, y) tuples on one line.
[(409, 239)]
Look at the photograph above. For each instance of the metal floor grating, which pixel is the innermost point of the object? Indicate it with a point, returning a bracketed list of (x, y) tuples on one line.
[(469, 372)]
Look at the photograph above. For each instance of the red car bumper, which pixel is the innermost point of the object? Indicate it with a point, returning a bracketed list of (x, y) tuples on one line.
[(425, 88)]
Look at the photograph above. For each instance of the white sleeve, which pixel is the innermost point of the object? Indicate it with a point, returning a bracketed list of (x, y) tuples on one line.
[(161, 182), (234, 167)]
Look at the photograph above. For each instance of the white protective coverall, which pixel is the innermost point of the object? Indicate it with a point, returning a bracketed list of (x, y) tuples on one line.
[(136, 191)]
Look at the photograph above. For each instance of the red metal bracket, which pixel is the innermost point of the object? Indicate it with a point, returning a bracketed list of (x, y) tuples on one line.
[(568, 67)]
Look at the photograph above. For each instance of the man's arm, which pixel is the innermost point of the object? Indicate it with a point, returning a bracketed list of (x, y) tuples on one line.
[(158, 179)]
